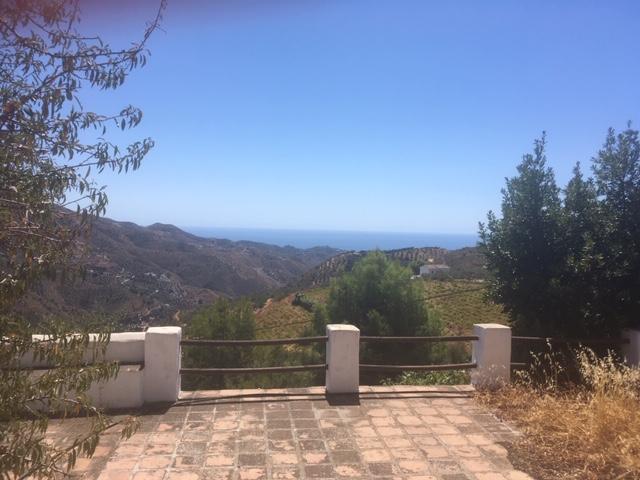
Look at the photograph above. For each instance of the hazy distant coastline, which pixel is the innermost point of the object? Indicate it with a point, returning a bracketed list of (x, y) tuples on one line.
[(338, 239)]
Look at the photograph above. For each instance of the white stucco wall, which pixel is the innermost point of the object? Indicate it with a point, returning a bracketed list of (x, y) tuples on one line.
[(124, 391), (125, 347), (149, 370)]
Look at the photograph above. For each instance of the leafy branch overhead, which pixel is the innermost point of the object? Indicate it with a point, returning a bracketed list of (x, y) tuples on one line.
[(49, 147), (49, 143)]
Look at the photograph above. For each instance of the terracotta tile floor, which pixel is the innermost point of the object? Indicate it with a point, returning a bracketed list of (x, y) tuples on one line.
[(386, 432)]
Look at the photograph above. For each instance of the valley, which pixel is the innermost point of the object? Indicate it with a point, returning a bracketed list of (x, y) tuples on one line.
[(139, 276)]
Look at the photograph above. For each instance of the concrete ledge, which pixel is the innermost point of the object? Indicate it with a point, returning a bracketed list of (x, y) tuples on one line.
[(158, 349), (126, 347)]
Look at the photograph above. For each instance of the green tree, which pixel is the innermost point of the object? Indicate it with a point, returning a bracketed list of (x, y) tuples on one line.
[(49, 146), (616, 170), (524, 249), (570, 265), (379, 297), (46, 150), (582, 261)]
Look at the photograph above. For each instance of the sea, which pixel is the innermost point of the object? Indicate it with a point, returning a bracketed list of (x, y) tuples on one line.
[(343, 240)]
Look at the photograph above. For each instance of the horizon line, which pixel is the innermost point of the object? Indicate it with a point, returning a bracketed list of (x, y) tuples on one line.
[(324, 230)]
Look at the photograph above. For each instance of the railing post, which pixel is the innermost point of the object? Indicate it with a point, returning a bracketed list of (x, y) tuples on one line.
[(492, 355), (343, 359), (632, 349), (162, 364)]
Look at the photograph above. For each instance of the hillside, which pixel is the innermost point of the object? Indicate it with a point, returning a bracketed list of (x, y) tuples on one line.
[(137, 275), (465, 263), (457, 303), (280, 318), (461, 303)]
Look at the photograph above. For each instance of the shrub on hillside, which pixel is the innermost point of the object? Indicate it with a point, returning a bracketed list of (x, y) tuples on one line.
[(301, 300)]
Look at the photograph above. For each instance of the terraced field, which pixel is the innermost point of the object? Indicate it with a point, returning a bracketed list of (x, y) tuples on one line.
[(458, 303), (281, 319)]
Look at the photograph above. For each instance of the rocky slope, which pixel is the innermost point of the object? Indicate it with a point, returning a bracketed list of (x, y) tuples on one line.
[(139, 275)]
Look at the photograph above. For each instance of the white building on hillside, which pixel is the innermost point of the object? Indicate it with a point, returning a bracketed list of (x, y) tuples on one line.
[(431, 269)]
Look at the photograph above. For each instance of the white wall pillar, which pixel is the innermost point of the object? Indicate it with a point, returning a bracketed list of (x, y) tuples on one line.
[(631, 350), (492, 354), (162, 364), (343, 359)]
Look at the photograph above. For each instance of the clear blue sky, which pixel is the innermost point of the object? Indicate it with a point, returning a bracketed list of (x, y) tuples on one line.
[(362, 115)]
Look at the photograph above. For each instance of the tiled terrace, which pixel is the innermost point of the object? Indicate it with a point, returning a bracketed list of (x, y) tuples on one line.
[(388, 432)]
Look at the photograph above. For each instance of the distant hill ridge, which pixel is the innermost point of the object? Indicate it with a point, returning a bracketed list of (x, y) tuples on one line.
[(465, 263), (146, 274)]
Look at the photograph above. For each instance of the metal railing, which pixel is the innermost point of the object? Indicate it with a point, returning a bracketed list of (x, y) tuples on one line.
[(417, 368), (461, 338), (249, 370), (322, 367), (253, 343)]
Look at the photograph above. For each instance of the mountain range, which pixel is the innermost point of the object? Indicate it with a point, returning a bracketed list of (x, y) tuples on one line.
[(137, 276)]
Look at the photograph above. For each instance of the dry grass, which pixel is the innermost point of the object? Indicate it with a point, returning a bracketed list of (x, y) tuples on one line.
[(589, 430)]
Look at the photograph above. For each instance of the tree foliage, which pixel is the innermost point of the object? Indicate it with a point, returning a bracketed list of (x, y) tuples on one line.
[(49, 147), (70, 365), (567, 262), (379, 297), (49, 143)]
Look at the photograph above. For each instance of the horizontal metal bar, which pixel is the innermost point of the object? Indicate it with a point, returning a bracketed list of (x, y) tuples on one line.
[(423, 368), (250, 343), (519, 365), (584, 341), (224, 371), (463, 338)]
